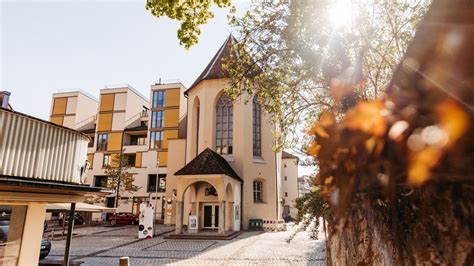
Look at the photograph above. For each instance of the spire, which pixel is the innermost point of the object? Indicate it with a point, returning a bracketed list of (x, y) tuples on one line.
[(214, 69)]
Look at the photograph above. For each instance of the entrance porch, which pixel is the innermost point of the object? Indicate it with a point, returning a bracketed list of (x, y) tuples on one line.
[(208, 196)]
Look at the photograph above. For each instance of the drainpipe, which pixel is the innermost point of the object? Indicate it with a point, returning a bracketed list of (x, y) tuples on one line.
[(187, 117), (241, 208), (276, 179)]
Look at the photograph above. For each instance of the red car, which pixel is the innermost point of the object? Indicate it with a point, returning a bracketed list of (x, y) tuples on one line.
[(123, 218)]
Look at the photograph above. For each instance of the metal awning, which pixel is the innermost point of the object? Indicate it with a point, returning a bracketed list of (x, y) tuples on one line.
[(80, 207)]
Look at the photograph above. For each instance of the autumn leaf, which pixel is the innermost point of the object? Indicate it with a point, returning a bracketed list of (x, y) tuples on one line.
[(452, 119), (367, 117), (421, 163), (319, 129), (313, 148)]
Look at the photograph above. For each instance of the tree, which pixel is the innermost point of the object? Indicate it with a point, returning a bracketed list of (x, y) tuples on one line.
[(289, 53), (190, 13), (118, 177)]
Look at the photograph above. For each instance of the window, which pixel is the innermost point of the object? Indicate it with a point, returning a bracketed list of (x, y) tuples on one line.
[(102, 140), (91, 142), (110, 202), (130, 159), (257, 191), (137, 139), (286, 194), (106, 160), (286, 178), (158, 99), (151, 184), (157, 119), (257, 128), (156, 139), (155, 185), (224, 125), (100, 181)]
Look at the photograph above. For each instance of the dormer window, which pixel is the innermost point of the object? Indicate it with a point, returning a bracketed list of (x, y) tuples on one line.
[(224, 125)]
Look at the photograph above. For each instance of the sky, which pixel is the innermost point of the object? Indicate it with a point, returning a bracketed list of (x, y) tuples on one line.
[(47, 46)]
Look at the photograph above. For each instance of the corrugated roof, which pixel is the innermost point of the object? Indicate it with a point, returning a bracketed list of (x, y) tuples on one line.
[(208, 162)]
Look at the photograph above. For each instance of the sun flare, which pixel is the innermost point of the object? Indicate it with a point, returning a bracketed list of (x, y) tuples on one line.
[(341, 13)]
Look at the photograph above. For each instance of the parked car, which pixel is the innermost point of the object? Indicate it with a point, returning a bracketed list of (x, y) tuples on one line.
[(4, 228), (123, 218)]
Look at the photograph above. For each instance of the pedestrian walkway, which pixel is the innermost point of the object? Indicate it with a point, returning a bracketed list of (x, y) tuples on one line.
[(248, 248)]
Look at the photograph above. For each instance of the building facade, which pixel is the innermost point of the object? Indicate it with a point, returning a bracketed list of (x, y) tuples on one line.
[(194, 152), (123, 120)]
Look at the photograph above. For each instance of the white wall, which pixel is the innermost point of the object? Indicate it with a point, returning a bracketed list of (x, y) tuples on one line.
[(291, 184)]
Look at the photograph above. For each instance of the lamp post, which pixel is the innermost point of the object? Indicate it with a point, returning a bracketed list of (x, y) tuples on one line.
[(156, 190)]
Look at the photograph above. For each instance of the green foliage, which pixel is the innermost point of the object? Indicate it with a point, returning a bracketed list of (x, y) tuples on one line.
[(289, 54), (190, 13), (312, 206)]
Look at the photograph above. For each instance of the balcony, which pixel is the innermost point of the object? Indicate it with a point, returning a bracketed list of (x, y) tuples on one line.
[(37, 149)]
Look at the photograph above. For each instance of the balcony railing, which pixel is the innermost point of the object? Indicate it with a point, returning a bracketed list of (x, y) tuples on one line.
[(34, 148)]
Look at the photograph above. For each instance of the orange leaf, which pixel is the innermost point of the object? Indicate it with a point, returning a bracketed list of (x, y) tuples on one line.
[(452, 119), (367, 117), (313, 148), (421, 163)]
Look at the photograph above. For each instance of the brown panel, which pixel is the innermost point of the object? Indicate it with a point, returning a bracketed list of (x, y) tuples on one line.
[(163, 158), (169, 134), (107, 102), (172, 97), (115, 141), (138, 160), (59, 106), (171, 118), (105, 122), (90, 158), (58, 120)]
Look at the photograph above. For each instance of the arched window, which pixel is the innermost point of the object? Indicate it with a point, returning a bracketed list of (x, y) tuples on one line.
[(224, 125), (257, 191), (257, 128)]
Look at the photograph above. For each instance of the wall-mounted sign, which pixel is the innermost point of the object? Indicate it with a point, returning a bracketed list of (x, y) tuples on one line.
[(237, 212), (193, 224)]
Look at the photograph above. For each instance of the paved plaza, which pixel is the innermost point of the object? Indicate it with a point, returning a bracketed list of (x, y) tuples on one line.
[(105, 245)]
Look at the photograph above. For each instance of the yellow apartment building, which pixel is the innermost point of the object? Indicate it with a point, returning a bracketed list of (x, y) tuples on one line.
[(122, 119)]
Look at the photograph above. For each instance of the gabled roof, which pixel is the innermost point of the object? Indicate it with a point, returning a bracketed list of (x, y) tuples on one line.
[(214, 69), (287, 155), (210, 163)]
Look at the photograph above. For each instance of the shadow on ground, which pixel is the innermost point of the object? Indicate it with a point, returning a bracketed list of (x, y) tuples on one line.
[(105, 246)]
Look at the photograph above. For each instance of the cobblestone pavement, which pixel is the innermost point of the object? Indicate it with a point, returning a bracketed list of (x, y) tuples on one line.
[(249, 248)]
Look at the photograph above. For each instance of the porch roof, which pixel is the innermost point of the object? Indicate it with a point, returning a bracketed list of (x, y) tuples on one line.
[(208, 162)]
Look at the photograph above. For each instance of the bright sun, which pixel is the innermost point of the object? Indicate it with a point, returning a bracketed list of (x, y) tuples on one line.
[(341, 13)]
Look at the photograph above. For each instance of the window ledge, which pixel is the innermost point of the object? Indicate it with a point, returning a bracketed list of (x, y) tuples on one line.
[(258, 160), (260, 202), (229, 157)]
